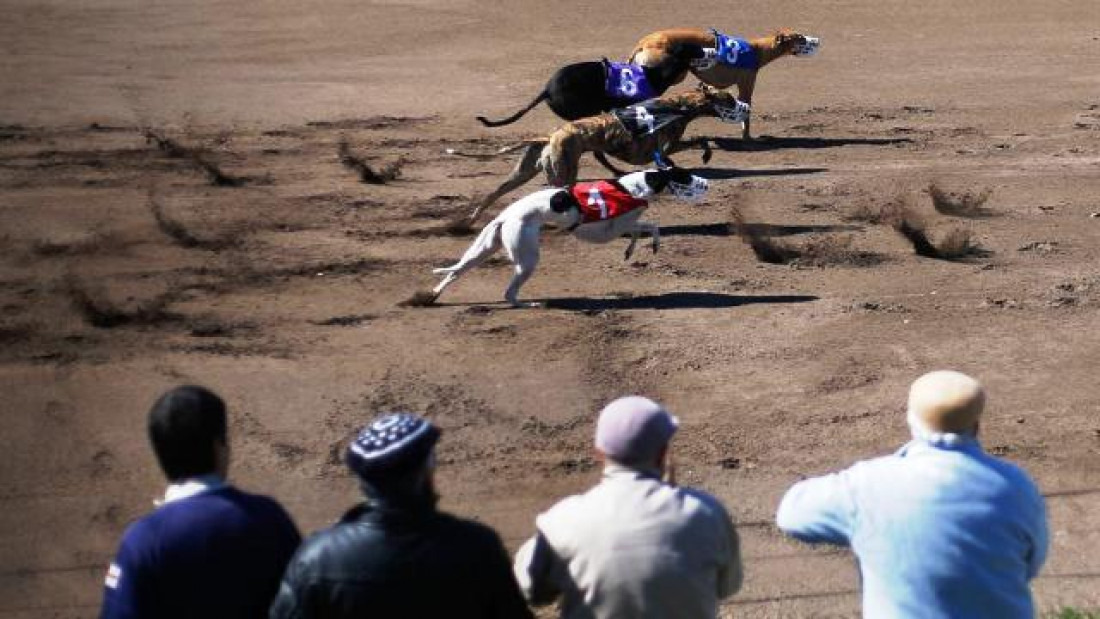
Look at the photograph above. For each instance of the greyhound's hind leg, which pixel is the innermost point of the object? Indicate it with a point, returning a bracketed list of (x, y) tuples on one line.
[(654, 234), (521, 241), (486, 244), (524, 171)]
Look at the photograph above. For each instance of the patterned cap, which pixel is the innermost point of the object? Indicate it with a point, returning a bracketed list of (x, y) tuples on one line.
[(391, 443)]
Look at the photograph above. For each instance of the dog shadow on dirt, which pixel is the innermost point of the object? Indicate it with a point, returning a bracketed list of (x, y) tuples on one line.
[(670, 301), (764, 143), (715, 174), (753, 229)]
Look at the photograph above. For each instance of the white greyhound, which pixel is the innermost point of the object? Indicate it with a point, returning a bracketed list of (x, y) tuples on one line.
[(596, 212)]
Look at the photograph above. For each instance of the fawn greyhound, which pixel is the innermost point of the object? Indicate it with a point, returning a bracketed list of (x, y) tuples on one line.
[(727, 60)]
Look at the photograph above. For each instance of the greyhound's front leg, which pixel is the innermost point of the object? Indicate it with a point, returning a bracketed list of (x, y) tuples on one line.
[(634, 232), (605, 162), (704, 145), (744, 93)]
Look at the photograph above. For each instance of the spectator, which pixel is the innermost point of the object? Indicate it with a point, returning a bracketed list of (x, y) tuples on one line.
[(395, 555), (634, 545), (940, 528), (208, 550)]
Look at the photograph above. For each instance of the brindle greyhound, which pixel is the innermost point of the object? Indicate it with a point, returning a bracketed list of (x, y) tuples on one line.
[(559, 155), (654, 48)]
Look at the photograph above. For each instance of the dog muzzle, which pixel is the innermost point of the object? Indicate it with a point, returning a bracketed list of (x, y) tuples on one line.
[(690, 192), (807, 47), (736, 113)]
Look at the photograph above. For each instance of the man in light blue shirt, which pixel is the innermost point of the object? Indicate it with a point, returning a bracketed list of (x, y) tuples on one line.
[(940, 528)]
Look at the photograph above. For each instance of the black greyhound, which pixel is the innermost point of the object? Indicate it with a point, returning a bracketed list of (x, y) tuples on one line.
[(589, 88)]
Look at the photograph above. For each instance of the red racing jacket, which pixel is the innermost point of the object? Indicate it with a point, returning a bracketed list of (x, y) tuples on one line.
[(600, 200)]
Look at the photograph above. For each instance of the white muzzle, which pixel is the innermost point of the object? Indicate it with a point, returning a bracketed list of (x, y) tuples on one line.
[(808, 47), (689, 192), (737, 113)]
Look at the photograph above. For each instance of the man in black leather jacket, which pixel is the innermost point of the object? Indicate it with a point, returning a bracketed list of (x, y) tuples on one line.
[(396, 555)]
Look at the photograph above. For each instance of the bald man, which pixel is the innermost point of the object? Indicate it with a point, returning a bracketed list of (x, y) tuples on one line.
[(940, 528)]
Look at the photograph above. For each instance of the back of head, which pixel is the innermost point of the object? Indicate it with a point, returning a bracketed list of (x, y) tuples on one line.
[(186, 427), (634, 431), (946, 402), (393, 457)]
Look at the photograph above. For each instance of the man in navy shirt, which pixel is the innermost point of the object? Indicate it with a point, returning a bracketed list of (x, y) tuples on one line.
[(208, 550)]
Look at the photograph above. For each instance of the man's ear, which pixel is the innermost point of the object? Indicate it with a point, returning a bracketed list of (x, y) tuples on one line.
[(221, 458)]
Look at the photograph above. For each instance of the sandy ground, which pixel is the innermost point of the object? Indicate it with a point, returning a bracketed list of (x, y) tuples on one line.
[(124, 271)]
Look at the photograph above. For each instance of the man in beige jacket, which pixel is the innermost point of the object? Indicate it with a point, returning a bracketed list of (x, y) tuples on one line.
[(636, 545)]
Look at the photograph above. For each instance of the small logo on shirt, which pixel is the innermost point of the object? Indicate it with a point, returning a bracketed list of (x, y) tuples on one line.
[(114, 574)]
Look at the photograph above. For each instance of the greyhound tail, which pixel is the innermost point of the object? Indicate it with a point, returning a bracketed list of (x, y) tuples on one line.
[(542, 96), (483, 246)]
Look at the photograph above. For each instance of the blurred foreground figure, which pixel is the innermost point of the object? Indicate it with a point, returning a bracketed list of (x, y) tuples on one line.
[(635, 545), (940, 528), (208, 550), (396, 555)]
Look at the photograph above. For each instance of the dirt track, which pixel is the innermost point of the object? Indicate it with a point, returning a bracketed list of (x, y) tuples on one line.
[(282, 292)]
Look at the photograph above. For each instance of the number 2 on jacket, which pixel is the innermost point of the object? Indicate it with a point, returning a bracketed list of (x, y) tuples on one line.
[(595, 198)]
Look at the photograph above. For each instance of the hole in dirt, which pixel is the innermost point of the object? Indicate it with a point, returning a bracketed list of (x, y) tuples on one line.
[(420, 298)]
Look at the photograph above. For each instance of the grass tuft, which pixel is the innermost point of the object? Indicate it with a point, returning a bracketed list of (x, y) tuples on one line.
[(181, 234), (176, 150), (353, 162)]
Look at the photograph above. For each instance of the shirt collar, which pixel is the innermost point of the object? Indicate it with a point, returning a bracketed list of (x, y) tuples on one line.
[(956, 442), (191, 487), (614, 469), (942, 440)]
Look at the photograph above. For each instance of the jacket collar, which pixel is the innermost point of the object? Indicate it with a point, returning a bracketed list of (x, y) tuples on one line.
[(191, 487), (382, 510)]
